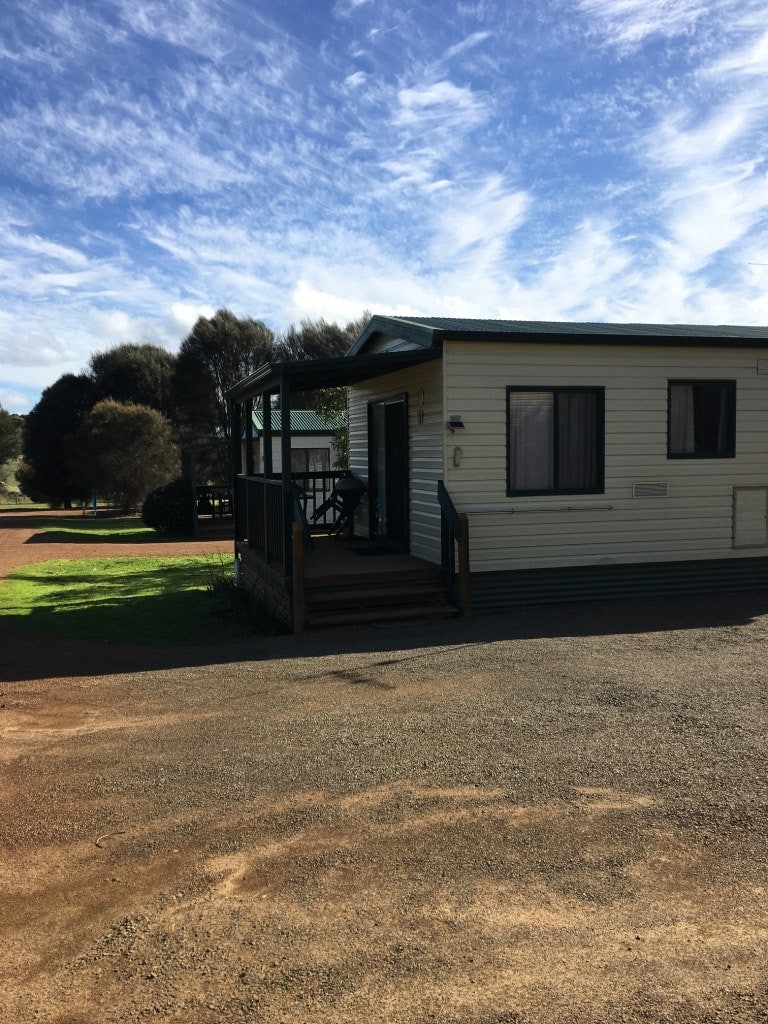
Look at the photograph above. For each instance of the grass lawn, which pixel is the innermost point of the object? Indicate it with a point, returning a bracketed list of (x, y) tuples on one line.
[(132, 600), (20, 506)]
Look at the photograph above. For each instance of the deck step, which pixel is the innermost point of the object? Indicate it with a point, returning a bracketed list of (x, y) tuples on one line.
[(398, 595), (392, 576), (421, 593)]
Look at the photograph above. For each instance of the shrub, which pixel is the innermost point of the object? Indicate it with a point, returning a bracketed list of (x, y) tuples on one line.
[(169, 509), (122, 451)]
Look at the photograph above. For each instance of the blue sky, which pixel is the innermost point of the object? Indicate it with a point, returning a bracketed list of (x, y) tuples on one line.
[(567, 160)]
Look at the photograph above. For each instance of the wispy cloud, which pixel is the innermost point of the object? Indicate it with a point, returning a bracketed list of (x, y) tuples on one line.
[(483, 219), (471, 41), (440, 103), (747, 61), (629, 22), (583, 159)]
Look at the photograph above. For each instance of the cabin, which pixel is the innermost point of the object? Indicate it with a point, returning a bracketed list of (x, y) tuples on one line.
[(510, 462), (206, 465), (312, 448)]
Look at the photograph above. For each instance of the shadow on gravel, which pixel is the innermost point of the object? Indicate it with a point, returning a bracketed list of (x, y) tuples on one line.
[(26, 656)]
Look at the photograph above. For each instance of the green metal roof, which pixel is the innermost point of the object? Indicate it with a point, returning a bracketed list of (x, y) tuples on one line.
[(392, 343), (432, 331), (303, 421)]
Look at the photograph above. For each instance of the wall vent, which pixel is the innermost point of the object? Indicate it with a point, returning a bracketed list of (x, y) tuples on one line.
[(650, 490)]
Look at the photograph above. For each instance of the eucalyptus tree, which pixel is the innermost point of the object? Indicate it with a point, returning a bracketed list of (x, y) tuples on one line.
[(135, 372), (217, 353), (44, 474)]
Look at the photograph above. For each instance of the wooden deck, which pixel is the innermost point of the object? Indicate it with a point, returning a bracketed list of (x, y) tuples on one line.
[(365, 581), (357, 581), (330, 558)]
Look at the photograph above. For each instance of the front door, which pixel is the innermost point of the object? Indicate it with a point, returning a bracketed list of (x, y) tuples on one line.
[(388, 469)]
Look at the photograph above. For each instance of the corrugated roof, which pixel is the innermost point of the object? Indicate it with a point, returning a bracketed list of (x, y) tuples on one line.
[(303, 421), (445, 328), (458, 326), (389, 344)]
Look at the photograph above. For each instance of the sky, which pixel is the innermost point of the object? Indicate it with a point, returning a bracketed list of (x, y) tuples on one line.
[(583, 160)]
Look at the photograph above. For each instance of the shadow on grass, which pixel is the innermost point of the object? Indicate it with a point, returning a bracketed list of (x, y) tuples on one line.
[(80, 530), (170, 602)]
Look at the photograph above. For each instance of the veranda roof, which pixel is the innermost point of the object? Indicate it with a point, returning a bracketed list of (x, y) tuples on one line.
[(340, 371)]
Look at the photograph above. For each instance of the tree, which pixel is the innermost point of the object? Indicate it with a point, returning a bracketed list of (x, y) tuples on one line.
[(44, 474), (10, 446), (123, 451), (10, 436), (139, 373), (218, 353), (331, 404), (318, 339)]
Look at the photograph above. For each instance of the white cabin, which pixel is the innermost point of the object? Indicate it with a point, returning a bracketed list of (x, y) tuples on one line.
[(588, 459)]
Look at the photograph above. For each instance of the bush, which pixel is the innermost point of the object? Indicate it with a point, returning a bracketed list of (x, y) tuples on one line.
[(122, 452), (169, 509)]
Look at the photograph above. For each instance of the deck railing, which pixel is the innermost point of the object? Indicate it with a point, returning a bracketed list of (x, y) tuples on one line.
[(313, 490), (260, 516), (214, 501), (454, 536)]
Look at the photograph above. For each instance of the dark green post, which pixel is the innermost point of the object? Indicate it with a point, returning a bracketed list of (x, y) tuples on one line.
[(285, 472)]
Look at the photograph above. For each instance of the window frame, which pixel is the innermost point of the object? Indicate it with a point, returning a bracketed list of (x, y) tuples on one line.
[(306, 459), (730, 386), (599, 439)]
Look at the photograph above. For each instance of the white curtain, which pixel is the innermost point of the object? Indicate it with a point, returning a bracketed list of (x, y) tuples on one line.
[(682, 438), (531, 440)]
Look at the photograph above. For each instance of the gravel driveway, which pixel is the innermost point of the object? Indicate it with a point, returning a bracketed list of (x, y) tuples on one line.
[(553, 816)]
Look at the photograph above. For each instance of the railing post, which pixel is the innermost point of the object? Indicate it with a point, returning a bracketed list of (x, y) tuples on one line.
[(299, 602), (464, 564)]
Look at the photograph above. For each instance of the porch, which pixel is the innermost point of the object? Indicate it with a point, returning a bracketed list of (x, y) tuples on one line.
[(283, 519), (313, 574)]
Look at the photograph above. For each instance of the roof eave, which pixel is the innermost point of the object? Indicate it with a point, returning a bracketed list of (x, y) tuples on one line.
[(395, 327), (339, 371)]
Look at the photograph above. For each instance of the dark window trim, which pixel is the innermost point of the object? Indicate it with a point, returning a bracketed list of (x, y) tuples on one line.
[(599, 487), (374, 470), (730, 453)]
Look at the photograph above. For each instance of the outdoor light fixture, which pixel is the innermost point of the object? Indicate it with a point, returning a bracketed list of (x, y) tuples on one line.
[(455, 423)]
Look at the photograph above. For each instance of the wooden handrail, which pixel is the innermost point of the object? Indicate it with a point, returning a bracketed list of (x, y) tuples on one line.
[(299, 599), (448, 509), (455, 531)]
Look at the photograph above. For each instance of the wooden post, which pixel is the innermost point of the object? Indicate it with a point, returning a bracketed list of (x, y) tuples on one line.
[(464, 564), (236, 468), (299, 602), (285, 472)]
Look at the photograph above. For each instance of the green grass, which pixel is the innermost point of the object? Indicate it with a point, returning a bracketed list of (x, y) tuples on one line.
[(133, 601), (21, 506)]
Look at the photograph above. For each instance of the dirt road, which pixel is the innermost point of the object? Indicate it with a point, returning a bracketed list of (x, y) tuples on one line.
[(552, 816)]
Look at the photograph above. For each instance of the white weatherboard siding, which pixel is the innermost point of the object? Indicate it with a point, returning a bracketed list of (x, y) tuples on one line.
[(694, 520), (422, 385)]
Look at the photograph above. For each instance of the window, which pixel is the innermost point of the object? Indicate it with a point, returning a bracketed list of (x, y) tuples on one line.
[(310, 460), (555, 440), (701, 422)]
